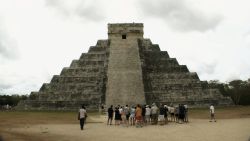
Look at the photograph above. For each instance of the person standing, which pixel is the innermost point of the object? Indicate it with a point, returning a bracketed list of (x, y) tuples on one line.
[(176, 114), (161, 115), (212, 117), (171, 110), (123, 116), (181, 113), (166, 114), (138, 116), (82, 115), (147, 115), (132, 116), (154, 112), (143, 113), (117, 116), (110, 115), (186, 113), (127, 113)]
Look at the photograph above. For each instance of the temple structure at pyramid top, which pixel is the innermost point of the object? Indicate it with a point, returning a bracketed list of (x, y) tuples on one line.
[(125, 69), (116, 31)]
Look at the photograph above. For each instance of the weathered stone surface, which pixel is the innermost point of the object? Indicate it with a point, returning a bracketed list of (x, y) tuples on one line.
[(125, 85), (124, 69), (165, 81)]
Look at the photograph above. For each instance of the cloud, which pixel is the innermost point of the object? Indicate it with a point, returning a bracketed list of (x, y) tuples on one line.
[(85, 9), (179, 15), (8, 48), (208, 68), (4, 86)]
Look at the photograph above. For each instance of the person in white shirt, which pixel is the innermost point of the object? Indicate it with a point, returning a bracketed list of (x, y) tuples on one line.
[(186, 113), (82, 115), (147, 115), (154, 112), (171, 110), (212, 117)]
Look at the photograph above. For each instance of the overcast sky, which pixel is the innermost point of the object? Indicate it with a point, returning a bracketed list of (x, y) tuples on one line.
[(40, 37)]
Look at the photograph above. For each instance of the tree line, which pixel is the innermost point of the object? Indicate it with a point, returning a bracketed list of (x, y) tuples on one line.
[(238, 90), (12, 100)]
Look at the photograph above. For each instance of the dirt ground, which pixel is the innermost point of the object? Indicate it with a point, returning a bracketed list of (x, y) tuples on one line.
[(233, 124)]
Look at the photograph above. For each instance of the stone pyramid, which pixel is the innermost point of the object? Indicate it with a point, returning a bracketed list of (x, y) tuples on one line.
[(124, 69)]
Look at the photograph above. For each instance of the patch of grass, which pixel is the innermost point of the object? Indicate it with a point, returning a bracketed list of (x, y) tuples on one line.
[(221, 112), (40, 117)]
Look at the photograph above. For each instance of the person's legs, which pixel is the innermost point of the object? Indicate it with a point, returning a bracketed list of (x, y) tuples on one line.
[(133, 121), (81, 123), (214, 118), (147, 119), (111, 119), (127, 120), (108, 120), (166, 119), (176, 117), (153, 118), (172, 117), (186, 117)]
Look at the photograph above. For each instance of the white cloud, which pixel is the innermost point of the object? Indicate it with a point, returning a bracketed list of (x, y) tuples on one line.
[(8, 48), (179, 15), (86, 9)]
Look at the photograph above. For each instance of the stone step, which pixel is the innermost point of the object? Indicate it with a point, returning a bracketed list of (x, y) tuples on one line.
[(90, 63), (84, 69), (165, 69), (156, 54), (146, 45), (103, 43), (183, 82), (52, 87), (58, 96), (75, 79), (188, 75), (95, 56), (59, 105), (165, 89), (82, 72), (185, 85), (87, 64), (94, 49), (162, 61)]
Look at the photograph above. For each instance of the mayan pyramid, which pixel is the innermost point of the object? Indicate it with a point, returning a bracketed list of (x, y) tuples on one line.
[(124, 69)]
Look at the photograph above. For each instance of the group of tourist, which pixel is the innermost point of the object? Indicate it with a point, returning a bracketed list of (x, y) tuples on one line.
[(146, 114), (5, 107)]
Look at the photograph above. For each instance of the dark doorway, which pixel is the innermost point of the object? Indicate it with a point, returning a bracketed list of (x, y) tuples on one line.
[(124, 36)]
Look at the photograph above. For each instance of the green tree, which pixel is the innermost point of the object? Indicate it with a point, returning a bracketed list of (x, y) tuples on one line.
[(237, 89)]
